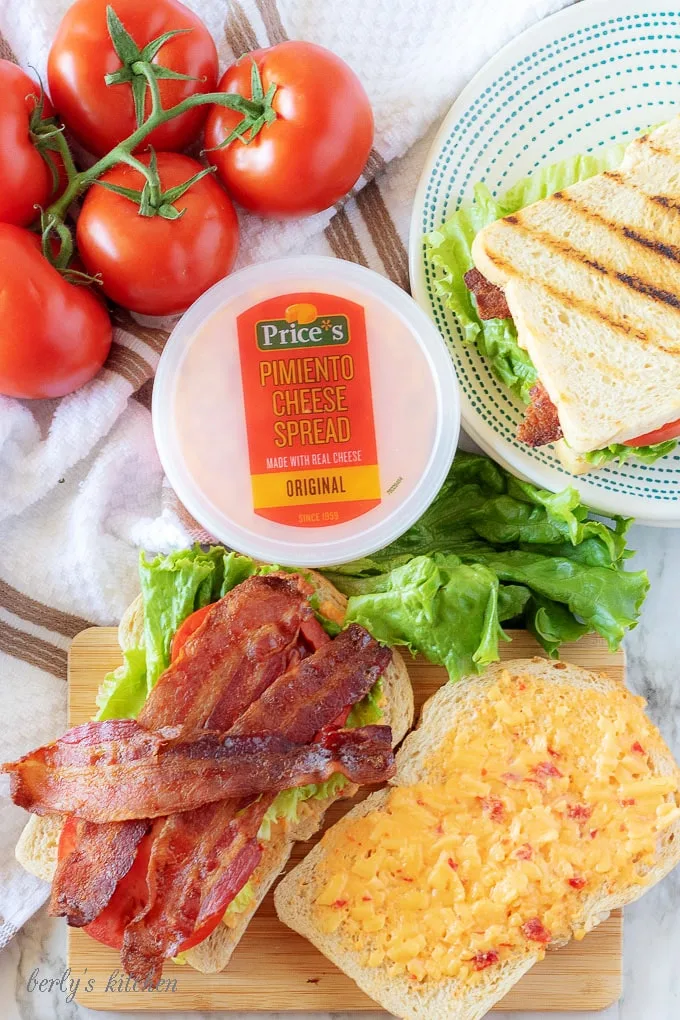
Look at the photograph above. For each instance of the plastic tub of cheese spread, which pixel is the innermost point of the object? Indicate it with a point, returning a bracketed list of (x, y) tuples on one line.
[(306, 411)]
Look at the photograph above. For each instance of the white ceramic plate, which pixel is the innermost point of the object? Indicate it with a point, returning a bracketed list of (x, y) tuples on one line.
[(597, 73)]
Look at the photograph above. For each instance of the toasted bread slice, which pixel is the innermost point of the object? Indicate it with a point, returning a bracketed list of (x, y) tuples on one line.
[(37, 848), (453, 999), (592, 278)]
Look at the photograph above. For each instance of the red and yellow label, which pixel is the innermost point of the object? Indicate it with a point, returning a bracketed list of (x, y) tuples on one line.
[(309, 409)]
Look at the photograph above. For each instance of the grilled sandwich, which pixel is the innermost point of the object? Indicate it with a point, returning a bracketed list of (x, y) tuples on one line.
[(591, 277)]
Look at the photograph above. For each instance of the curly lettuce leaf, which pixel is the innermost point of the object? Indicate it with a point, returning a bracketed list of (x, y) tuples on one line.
[(553, 569), (124, 691), (368, 711), (436, 605), (450, 250), (605, 600), (173, 587), (242, 900), (286, 805), (620, 453)]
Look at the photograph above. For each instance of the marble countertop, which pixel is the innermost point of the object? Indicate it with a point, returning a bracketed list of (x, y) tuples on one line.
[(652, 926)]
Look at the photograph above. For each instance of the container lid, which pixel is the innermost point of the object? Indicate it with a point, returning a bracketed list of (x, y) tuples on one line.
[(306, 411)]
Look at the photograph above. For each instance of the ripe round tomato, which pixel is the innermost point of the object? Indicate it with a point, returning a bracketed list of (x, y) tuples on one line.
[(186, 629), (662, 435), (130, 894), (150, 264), (27, 180), (54, 336), (101, 115), (315, 149)]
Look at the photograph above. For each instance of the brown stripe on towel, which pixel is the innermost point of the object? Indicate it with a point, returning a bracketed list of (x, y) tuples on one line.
[(129, 364), (239, 33), (33, 650), (375, 164), (66, 624), (6, 50), (272, 21), (144, 394), (343, 240), (384, 235), (154, 336)]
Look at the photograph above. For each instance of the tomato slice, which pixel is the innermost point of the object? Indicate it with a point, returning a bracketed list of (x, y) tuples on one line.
[(186, 629), (130, 894), (662, 435)]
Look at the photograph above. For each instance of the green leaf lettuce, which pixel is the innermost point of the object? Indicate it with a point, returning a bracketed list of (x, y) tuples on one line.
[(493, 549)]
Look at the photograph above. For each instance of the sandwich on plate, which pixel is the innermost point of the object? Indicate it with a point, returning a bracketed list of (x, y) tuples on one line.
[(575, 298), (528, 804), (243, 709)]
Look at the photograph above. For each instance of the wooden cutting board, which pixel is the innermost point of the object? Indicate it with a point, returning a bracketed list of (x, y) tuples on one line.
[(275, 969)]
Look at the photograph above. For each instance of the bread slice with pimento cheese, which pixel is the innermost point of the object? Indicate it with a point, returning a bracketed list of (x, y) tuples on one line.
[(528, 804)]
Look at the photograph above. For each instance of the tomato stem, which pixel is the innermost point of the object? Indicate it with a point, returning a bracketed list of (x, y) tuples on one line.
[(144, 67), (150, 172), (80, 182), (254, 112), (61, 259), (58, 143)]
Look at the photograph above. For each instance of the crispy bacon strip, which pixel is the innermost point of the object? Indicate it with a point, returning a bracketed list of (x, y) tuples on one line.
[(298, 706), (312, 694), (85, 879), (199, 862), (541, 424), (117, 770), (252, 635), (491, 303)]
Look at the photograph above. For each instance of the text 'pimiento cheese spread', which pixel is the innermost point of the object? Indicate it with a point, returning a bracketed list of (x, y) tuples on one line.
[(535, 805), (306, 411)]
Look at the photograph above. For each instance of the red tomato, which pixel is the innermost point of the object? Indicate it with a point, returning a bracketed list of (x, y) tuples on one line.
[(315, 149), (26, 177), (190, 625), (101, 115), (662, 435), (54, 336), (150, 264), (130, 894)]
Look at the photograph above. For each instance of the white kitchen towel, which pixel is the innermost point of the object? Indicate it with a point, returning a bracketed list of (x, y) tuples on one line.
[(81, 488)]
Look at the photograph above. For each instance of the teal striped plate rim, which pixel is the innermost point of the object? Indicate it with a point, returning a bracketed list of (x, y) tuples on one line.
[(594, 74)]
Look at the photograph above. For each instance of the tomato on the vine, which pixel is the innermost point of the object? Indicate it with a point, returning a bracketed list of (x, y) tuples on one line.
[(82, 54), (54, 335), (307, 139), (153, 264), (28, 183)]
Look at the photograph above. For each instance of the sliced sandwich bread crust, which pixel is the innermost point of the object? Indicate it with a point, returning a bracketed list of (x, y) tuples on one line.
[(453, 999), (592, 278)]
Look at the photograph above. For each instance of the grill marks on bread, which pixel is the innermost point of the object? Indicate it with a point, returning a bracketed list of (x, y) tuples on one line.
[(592, 278), (654, 249)]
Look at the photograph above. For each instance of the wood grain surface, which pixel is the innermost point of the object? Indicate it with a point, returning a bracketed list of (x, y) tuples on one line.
[(273, 969)]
